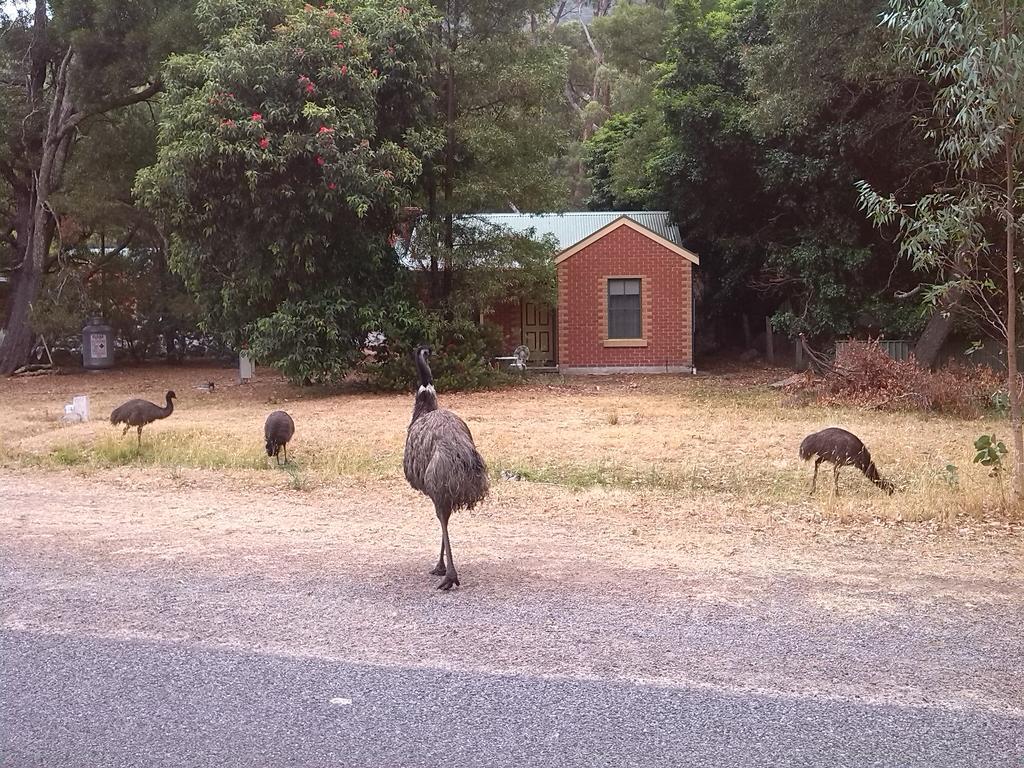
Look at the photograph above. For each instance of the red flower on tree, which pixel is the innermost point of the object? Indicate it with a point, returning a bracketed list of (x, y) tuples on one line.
[(335, 32), (332, 185), (344, 69), (264, 142), (320, 160), (325, 129), (256, 117)]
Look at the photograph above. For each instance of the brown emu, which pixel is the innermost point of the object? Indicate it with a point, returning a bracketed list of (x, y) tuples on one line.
[(278, 431), (442, 462), (841, 448), (139, 413)]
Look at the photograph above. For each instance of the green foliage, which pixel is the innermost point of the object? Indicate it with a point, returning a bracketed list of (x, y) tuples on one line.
[(312, 340), (621, 161), (990, 453), (486, 265), (508, 120), (70, 146), (955, 229), (287, 150), (462, 350), (830, 298)]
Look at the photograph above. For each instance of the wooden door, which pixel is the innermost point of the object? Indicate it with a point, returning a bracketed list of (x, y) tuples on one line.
[(539, 332)]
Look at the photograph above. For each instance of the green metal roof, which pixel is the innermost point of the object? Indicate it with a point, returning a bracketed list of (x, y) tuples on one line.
[(574, 227)]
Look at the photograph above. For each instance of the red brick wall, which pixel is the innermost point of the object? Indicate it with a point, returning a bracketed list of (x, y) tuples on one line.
[(508, 316), (665, 300)]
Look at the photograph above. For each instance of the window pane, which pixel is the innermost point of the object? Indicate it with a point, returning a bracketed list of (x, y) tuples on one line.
[(624, 308)]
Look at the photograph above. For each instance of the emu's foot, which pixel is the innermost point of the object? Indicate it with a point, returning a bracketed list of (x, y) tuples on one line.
[(439, 570), (450, 578)]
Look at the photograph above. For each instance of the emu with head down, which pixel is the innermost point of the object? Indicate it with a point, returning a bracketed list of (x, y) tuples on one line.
[(442, 462), (278, 430), (841, 448)]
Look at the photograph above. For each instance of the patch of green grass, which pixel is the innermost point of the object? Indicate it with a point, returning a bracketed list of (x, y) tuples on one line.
[(69, 455), (299, 479)]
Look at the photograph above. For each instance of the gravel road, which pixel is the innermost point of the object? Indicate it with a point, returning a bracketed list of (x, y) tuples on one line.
[(191, 621)]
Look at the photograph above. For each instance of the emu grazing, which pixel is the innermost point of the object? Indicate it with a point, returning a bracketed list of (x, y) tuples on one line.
[(841, 448), (442, 462), (278, 430), (139, 413)]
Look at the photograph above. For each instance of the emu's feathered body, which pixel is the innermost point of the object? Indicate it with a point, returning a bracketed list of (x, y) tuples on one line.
[(278, 430), (442, 462), (138, 413), (841, 448)]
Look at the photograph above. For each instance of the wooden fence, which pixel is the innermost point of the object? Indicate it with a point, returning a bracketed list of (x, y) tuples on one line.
[(897, 349)]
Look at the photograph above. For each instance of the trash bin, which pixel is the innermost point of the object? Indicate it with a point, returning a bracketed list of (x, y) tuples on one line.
[(97, 345)]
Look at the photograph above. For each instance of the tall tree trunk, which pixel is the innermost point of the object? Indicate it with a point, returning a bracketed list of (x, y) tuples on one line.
[(449, 158), (937, 329), (1012, 302), (26, 280), (434, 287)]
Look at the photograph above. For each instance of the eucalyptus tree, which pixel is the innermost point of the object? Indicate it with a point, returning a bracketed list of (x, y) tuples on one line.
[(63, 66), (968, 227)]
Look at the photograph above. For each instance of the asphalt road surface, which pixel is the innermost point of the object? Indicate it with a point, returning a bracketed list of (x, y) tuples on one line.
[(130, 638)]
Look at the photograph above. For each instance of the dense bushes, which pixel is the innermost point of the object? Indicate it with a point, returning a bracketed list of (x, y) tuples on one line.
[(462, 351), (865, 375)]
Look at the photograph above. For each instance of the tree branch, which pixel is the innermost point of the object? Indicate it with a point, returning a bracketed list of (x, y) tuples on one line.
[(118, 102)]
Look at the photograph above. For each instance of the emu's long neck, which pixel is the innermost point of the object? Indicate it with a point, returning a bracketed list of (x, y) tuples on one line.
[(426, 396), (168, 409), (426, 401)]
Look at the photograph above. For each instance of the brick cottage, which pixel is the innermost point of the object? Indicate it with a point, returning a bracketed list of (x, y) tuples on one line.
[(625, 295)]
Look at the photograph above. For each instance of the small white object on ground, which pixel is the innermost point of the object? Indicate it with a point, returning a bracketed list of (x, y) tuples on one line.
[(341, 702), (80, 405)]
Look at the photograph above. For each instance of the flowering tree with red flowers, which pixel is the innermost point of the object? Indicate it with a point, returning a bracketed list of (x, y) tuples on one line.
[(287, 151)]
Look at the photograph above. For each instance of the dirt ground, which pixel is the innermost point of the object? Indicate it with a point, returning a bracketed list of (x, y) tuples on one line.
[(599, 583), (636, 527)]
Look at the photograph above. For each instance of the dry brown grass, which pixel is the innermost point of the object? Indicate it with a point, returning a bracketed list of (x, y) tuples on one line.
[(722, 437)]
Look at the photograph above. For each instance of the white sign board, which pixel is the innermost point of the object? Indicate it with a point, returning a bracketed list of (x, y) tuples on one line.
[(98, 346)]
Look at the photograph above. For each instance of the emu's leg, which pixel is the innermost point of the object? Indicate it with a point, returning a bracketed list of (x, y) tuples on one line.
[(814, 479), (836, 476), (439, 569), (285, 449), (125, 430), (140, 437), (450, 576)]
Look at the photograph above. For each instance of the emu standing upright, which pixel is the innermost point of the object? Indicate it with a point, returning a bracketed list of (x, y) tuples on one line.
[(442, 462), (139, 413), (841, 448)]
